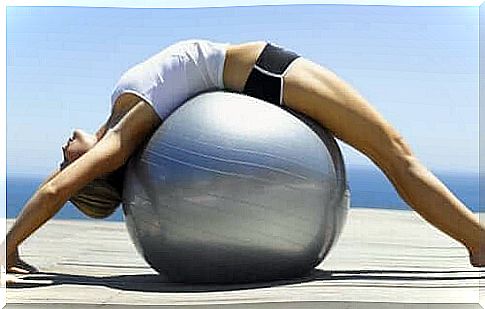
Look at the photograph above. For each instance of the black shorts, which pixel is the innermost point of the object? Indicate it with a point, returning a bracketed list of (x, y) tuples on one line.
[(265, 81)]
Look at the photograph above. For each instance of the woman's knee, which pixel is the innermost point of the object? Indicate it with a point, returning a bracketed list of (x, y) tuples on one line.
[(394, 156)]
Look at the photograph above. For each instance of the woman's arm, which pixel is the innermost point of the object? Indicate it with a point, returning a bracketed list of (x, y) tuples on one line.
[(123, 104), (107, 155), (49, 178), (102, 131)]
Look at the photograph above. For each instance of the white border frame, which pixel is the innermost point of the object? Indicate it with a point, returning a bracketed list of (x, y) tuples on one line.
[(150, 4)]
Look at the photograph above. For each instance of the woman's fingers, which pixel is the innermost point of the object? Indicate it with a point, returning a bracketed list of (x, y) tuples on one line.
[(17, 270), (21, 267)]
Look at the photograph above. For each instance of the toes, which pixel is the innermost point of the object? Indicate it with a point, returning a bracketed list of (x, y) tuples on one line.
[(477, 260)]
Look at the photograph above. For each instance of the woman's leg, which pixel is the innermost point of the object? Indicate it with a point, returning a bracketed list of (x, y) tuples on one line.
[(320, 94)]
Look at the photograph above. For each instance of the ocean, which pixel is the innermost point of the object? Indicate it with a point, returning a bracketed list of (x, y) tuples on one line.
[(369, 189)]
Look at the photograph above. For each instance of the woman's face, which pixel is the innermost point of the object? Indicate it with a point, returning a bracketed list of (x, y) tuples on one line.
[(77, 145)]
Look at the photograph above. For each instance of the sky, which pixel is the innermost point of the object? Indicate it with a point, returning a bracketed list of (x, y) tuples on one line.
[(224, 3), (418, 66)]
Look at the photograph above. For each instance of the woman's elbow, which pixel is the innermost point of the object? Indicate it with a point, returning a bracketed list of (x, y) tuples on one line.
[(113, 152), (112, 162)]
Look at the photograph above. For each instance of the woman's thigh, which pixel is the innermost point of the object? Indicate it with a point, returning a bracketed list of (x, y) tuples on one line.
[(320, 94)]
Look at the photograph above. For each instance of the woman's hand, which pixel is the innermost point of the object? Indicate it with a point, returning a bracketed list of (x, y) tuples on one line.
[(105, 156), (18, 266)]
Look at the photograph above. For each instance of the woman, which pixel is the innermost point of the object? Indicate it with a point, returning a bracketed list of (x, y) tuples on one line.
[(150, 91)]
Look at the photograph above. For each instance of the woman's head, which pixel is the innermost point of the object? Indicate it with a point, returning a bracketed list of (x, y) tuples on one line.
[(100, 197), (78, 144)]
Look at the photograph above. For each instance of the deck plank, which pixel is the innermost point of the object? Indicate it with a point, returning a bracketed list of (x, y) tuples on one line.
[(383, 257)]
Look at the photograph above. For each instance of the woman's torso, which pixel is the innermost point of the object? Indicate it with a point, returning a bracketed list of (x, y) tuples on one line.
[(182, 70)]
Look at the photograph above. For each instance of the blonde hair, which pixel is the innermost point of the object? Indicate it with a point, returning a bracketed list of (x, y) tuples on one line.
[(102, 196)]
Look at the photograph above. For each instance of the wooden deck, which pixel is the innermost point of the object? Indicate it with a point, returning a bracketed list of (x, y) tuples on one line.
[(384, 259)]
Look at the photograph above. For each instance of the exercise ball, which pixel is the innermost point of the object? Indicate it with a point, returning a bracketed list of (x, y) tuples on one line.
[(234, 189)]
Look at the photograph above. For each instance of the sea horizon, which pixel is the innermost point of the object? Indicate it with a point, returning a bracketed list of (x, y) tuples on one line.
[(368, 186)]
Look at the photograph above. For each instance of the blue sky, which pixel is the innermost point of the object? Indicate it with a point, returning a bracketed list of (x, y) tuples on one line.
[(417, 65)]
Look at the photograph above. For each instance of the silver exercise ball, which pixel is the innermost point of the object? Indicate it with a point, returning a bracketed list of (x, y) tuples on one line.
[(234, 189)]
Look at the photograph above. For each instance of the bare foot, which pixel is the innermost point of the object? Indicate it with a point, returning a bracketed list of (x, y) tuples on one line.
[(477, 258)]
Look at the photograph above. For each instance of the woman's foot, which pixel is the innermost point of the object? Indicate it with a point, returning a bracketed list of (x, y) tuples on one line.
[(477, 257)]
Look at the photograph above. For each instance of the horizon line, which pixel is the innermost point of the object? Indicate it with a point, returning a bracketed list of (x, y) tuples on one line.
[(347, 168)]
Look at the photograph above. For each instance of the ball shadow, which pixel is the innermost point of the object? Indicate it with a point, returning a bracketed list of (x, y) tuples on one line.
[(157, 283)]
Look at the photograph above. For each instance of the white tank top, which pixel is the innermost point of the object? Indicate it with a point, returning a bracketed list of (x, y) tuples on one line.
[(172, 76)]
